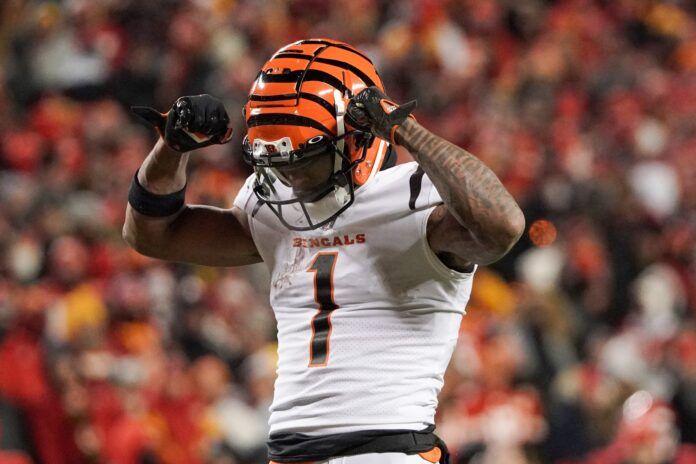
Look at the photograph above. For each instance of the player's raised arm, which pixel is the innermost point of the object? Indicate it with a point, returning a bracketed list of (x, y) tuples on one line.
[(480, 221), (158, 222)]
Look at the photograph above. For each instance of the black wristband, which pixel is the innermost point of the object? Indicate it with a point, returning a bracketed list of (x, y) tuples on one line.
[(152, 204)]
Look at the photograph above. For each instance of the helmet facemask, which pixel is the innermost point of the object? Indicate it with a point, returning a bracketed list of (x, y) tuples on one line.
[(320, 206)]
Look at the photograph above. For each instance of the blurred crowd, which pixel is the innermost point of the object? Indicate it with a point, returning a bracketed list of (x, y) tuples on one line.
[(578, 347)]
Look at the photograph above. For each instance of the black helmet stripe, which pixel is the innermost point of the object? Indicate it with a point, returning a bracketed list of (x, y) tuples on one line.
[(286, 77), (321, 76), (333, 44), (365, 78), (282, 119), (293, 54), (265, 98), (305, 76), (291, 96)]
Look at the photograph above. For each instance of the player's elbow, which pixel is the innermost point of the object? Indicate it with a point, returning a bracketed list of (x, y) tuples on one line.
[(134, 239), (515, 226), (141, 243), (510, 230), (138, 238)]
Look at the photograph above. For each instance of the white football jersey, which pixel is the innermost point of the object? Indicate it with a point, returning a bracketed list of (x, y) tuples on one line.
[(367, 314)]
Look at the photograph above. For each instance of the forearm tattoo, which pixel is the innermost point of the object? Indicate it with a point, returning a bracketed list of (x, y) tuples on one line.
[(471, 191)]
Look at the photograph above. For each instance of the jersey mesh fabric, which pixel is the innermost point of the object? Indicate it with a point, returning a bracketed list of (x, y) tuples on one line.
[(398, 316)]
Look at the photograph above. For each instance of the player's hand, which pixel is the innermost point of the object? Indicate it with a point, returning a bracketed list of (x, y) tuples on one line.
[(192, 122), (372, 110)]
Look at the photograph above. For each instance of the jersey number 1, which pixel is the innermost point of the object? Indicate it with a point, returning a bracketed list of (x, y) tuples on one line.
[(323, 268)]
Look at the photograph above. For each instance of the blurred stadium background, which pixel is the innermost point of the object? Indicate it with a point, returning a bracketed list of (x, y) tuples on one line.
[(580, 346)]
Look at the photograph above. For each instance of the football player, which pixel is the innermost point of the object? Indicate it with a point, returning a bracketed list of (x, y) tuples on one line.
[(371, 264)]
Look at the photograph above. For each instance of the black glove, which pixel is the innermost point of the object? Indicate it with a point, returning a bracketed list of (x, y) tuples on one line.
[(193, 122), (371, 110)]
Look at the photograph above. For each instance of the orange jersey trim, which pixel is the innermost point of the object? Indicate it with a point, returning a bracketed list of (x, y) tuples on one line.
[(433, 455)]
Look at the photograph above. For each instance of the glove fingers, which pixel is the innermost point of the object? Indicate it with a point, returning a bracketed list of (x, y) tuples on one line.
[(208, 116), (219, 124), (198, 123), (201, 109), (217, 120), (356, 116), (151, 116)]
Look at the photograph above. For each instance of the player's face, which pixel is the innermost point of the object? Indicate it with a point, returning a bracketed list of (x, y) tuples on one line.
[(308, 177)]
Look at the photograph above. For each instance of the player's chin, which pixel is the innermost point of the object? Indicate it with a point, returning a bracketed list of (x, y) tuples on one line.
[(311, 195)]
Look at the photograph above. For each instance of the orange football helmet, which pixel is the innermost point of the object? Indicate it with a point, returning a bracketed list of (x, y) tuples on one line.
[(296, 111)]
